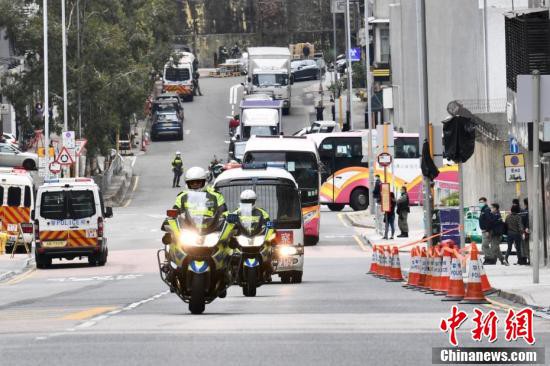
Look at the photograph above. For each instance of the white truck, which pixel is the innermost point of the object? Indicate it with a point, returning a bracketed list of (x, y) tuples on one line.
[(178, 75), (269, 72)]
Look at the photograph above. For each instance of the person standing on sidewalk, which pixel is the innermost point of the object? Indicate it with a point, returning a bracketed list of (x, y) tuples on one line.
[(196, 85), (177, 168), (514, 232), (403, 211), (319, 111), (377, 189), (525, 221), (497, 230), (389, 218), (485, 224)]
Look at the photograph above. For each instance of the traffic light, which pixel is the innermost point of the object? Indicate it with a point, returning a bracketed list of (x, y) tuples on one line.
[(459, 139)]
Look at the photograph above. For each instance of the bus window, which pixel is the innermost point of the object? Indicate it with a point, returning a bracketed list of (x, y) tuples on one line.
[(1, 195), (14, 196), (27, 198), (406, 148)]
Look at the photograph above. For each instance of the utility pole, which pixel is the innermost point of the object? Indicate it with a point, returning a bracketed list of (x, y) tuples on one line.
[(46, 89), (64, 46), (486, 49), (535, 181), (349, 122), (424, 111), (368, 84), (79, 95)]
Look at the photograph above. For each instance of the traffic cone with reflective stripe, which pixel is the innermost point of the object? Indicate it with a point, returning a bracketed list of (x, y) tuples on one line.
[(423, 269), (374, 261), (485, 285), (455, 292), (412, 281), (445, 270), (395, 272), (387, 264), (474, 294), (429, 268), (380, 261), (436, 272)]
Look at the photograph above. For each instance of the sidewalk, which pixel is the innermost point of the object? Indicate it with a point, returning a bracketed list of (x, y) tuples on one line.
[(514, 282), (10, 267)]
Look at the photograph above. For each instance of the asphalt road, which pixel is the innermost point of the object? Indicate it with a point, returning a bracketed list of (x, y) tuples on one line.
[(121, 314)]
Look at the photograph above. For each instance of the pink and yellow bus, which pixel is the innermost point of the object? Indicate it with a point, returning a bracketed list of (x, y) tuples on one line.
[(299, 157), (345, 170)]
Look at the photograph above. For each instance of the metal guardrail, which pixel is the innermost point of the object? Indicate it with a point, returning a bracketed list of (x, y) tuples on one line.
[(114, 168)]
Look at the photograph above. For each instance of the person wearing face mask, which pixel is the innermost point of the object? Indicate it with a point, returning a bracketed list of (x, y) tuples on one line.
[(485, 224), (403, 211), (498, 229)]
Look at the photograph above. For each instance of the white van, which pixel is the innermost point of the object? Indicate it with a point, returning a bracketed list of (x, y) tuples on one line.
[(259, 122), (69, 221), (16, 204), (279, 195)]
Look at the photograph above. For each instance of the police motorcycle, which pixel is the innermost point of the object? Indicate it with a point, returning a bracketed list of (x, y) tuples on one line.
[(253, 249), (195, 261), (215, 168)]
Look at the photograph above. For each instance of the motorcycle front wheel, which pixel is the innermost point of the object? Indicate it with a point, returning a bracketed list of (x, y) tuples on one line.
[(249, 288), (196, 304)]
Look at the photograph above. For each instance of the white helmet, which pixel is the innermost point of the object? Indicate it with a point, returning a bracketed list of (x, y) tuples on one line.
[(178, 153), (248, 196), (195, 174)]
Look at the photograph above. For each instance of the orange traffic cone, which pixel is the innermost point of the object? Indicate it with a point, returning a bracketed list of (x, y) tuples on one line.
[(474, 294), (374, 261), (429, 269), (485, 285), (395, 271), (412, 281), (387, 262), (455, 292), (445, 270), (380, 257), (423, 269), (436, 274)]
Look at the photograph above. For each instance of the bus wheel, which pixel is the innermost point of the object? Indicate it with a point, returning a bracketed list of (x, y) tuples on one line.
[(359, 199), (311, 240), (335, 207)]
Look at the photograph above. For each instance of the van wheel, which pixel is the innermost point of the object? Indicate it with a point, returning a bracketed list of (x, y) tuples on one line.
[(103, 259), (297, 277), (359, 199), (42, 261), (285, 277), (335, 207)]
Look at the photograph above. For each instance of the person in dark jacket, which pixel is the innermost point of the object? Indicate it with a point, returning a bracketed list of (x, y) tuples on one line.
[(514, 232), (377, 187), (497, 230), (403, 210), (524, 213), (389, 218), (485, 223)]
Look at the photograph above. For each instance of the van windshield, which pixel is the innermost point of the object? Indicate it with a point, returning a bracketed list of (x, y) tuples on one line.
[(61, 205)]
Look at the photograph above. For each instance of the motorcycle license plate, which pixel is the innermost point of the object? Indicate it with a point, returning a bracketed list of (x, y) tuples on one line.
[(54, 244)]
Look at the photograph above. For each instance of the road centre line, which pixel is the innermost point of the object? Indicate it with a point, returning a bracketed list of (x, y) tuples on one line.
[(88, 313)]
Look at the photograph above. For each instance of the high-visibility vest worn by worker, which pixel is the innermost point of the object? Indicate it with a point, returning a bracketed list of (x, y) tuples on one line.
[(177, 165), (253, 222), (214, 207)]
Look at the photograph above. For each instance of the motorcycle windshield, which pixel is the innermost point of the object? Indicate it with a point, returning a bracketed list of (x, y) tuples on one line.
[(200, 211), (250, 223)]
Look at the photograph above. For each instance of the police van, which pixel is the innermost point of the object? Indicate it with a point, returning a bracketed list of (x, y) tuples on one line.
[(16, 204), (69, 221)]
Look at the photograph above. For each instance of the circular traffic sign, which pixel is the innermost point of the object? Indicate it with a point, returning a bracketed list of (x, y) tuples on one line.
[(514, 160), (384, 159)]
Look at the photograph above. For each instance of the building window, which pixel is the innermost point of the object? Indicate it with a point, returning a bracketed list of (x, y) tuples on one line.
[(384, 43)]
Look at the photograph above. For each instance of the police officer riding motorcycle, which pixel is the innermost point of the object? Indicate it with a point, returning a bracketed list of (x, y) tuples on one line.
[(195, 261), (253, 233)]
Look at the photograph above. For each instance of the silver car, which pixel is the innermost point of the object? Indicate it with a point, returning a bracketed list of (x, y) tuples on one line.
[(11, 156)]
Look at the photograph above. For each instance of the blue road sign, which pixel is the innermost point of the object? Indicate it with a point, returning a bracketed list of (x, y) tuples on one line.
[(514, 147), (355, 54)]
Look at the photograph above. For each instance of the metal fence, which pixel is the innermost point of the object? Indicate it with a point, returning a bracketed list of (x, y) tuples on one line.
[(114, 169)]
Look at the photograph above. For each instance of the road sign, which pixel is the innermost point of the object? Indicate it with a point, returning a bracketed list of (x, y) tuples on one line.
[(514, 147), (80, 145), (64, 157), (338, 6), (384, 159), (355, 54), (55, 168), (385, 197), (69, 139), (514, 166)]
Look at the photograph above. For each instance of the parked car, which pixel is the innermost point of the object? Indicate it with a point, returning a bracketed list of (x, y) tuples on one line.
[(169, 105), (170, 97), (166, 125), (305, 69), (318, 127), (11, 156), (9, 138)]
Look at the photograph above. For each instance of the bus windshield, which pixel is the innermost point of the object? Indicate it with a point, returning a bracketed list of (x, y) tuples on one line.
[(301, 164)]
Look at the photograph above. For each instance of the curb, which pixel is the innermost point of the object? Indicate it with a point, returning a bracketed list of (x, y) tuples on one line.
[(29, 264), (353, 222), (518, 299)]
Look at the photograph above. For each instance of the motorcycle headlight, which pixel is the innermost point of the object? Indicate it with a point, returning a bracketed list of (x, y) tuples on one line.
[(243, 240), (258, 241), (288, 251), (211, 240), (189, 237)]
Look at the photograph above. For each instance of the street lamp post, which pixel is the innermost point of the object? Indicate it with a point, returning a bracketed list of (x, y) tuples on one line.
[(64, 46), (46, 86), (349, 121), (369, 107)]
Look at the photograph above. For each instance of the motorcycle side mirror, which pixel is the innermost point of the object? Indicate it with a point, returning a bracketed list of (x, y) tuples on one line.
[(232, 218), (172, 213)]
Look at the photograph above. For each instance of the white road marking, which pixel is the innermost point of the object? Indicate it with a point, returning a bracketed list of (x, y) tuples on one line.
[(96, 278), (187, 132), (134, 159)]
